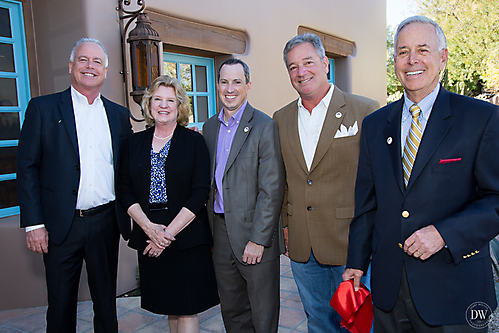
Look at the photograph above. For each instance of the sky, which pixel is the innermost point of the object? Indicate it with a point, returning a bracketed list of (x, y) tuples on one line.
[(398, 10)]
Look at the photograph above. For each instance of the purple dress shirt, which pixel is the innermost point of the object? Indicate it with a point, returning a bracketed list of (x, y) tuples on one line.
[(226, 135)]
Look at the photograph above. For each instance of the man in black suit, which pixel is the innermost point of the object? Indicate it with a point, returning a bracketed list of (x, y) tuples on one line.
[(68, 154), (427, 197)]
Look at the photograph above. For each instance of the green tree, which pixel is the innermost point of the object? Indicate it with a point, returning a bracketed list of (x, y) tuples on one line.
[(472, 31), (394, 89)]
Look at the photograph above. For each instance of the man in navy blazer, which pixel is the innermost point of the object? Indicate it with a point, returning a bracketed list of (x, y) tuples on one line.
[(68, 154), (431, 270)]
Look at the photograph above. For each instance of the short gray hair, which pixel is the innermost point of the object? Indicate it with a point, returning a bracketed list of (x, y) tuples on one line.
[(302, 39), (88, 40), (442, 41)]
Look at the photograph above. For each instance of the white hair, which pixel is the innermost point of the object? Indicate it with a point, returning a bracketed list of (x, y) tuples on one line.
[(87, 40)]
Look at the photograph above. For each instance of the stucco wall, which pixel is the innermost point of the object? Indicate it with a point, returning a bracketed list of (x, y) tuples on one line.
[(270, 24)]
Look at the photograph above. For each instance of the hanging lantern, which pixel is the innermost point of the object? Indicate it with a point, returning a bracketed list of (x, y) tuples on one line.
[(145, 58)]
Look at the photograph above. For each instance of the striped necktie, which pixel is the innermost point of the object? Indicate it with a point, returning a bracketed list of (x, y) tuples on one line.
[(412, 143)]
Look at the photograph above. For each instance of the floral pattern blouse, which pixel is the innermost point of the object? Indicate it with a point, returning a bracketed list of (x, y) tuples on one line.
[(157, 191)]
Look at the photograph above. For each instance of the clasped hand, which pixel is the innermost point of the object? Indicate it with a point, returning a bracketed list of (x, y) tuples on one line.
[(159, 239)]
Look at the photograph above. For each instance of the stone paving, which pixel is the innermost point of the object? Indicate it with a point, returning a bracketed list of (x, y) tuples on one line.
[(133, 319)]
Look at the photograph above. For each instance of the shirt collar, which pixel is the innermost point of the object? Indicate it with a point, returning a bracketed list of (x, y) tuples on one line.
[(236, 116), (325, 101), (426, 104), (79, 98)]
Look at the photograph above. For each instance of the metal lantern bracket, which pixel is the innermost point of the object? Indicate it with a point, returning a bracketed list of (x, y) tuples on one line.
[(144, 50)]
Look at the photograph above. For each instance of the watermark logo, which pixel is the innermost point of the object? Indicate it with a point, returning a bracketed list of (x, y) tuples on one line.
[(478, 315)]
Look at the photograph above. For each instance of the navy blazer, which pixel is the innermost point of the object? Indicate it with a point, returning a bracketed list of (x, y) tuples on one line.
[(48, 162), (454, 186), (187, 172)]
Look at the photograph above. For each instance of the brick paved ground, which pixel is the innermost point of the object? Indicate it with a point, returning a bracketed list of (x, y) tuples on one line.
[(132, 319)]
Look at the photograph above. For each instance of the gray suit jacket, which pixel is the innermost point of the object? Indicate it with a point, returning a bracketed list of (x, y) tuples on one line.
[(253, 182)]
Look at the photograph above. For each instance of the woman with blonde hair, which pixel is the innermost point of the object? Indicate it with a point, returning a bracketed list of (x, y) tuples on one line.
[(164, 184)]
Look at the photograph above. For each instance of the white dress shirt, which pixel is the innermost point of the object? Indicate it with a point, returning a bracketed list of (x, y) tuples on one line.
[(96, 153), (310, 125)]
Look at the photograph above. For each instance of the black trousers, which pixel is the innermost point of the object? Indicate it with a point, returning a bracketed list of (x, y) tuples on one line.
[(404, 317), (94, 239)]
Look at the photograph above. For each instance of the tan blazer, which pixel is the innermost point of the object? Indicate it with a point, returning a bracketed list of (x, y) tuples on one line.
[(319, 204)]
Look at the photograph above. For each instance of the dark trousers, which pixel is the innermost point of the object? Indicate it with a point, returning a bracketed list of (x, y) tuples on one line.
[(249, 294), (94, 239), (404, 317)]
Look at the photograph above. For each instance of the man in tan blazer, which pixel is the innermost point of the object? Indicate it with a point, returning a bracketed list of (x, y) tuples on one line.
[(320, 143)]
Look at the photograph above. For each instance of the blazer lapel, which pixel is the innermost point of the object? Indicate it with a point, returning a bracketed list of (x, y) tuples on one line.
[(294, 138), (66, 108), (435, 130), (213, 127), (331, 125), (392, 133), (243, 130)]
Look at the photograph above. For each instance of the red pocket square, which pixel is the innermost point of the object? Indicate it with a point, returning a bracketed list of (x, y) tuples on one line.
[(449, 160), (355, 308)]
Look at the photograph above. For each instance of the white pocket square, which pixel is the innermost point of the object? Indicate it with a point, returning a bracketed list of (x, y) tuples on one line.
[(344, 132)]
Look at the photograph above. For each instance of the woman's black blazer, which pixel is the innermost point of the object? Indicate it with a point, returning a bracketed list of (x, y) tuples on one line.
[(187, 173)]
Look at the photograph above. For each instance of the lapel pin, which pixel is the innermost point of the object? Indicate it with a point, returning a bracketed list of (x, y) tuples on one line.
[(246, 129), (338, 115), (389, 140), (59, 121)]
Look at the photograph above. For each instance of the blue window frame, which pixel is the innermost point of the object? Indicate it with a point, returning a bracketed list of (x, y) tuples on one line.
[(197, 76), (14, 97), (330, 75)]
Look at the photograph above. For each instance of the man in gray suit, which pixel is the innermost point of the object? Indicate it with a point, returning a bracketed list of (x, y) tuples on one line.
[(245, 200)]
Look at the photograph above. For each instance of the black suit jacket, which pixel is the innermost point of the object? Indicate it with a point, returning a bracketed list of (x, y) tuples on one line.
[(187, 183), (454, 186), (48, 163)]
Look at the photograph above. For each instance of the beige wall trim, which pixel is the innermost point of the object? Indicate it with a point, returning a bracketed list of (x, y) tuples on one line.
[(184, 33), (333, 45)]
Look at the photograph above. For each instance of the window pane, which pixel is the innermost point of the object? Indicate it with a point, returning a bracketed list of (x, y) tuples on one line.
[(191, 116), (6, 58), (5, 23), (9, 126), (186, 76), (8, 194), (170, 69), (202, 110), (8, 160), (8, 92), (201, 84), (330, 74)]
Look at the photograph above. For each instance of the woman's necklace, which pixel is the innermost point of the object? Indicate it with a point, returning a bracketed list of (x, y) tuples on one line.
[(169, 136)]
